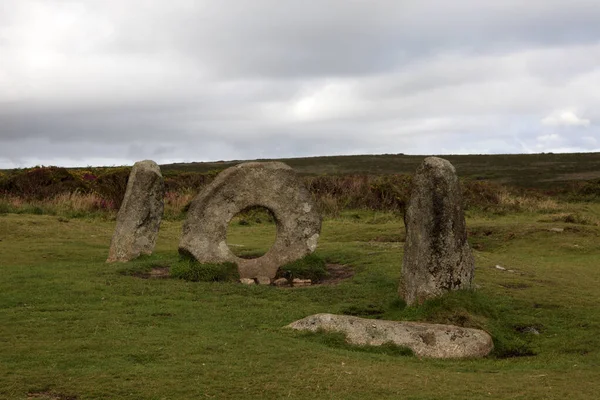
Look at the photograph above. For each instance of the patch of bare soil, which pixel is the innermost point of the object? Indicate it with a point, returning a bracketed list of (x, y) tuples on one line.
[(49, 395), (337, 273), (515, 285), (154, 273), (394, 237)]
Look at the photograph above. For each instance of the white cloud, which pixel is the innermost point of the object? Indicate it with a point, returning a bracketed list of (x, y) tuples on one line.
[(565, 118)]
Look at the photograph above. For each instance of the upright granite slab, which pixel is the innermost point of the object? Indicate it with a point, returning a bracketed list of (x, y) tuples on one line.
[(437, 257), (272, 185), (139, 217), (425, 340)]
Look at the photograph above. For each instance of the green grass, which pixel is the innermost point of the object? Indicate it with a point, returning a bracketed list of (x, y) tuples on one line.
[(191, 270), (73, 325), (310, 267)]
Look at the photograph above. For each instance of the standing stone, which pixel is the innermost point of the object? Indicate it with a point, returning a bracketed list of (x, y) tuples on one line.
[(437, 257), (272, 185), (140, 214)]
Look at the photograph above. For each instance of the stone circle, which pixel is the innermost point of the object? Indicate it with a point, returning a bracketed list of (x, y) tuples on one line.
[(139, 217), (437, 257), (272, 185)]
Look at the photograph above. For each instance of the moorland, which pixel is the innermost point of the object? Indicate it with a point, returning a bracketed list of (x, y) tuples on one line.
[(75, 327)]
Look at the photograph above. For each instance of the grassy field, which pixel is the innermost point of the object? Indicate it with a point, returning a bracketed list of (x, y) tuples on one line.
[(74, 327)]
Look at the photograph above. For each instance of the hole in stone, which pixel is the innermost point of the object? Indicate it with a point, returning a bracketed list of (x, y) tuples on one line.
[(252, 232)]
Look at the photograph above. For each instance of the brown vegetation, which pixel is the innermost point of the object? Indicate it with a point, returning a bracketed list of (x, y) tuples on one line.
[(54, 190)]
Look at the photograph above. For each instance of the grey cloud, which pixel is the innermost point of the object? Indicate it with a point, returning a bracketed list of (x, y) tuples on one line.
[(190, 80), (270, 38)]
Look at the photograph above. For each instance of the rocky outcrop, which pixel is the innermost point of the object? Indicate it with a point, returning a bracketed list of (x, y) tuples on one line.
[(425, 340), (437, 257), (139, 217), (272, 185)]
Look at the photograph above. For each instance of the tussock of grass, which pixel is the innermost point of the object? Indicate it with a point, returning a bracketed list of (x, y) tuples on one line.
[(191, 270), (71, 205), (363, 310), (471, 309), (310, 267), (571, 218)]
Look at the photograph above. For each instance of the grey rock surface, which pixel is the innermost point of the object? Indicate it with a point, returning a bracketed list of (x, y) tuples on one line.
[(425, 340), (272, 185), (281, 282), (297, 282), (437, 257), (139, 217), (263, 280)]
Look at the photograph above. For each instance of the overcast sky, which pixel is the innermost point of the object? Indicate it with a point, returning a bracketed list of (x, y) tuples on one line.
[(100, 82)]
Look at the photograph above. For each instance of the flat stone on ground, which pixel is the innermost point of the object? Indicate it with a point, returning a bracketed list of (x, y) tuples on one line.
[(425, 340)]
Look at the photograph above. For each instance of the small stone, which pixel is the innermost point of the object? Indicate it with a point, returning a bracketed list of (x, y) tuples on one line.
[(247, 281), (263, 280), (301, 282), (501, 268), (557, 230), (531, 330), (281, 282)]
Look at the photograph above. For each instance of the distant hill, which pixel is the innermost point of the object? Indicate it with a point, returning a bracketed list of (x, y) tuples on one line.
[(525, 170)]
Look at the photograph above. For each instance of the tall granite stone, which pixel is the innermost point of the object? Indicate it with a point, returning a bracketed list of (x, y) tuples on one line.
[(138, 220), (272, 185), (437, 257)]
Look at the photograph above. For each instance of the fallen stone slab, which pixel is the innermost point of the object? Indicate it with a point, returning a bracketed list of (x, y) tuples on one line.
[(425, 340), (139, 217)]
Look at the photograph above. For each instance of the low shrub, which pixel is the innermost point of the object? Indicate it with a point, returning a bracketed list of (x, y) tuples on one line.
[(111, 186), (332, 193), (41, 183)]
